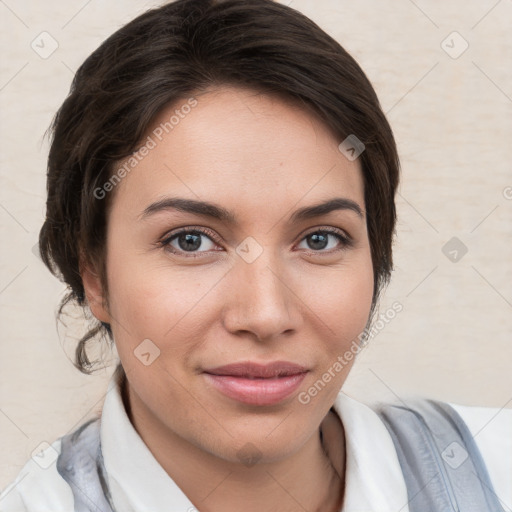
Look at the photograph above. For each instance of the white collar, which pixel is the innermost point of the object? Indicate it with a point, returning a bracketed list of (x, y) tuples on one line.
[(373, 479), (138, 483)]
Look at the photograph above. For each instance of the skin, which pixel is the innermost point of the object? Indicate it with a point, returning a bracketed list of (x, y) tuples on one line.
[(262, 158)]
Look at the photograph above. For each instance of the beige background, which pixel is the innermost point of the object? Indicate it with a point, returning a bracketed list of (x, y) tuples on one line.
[(453, 122)]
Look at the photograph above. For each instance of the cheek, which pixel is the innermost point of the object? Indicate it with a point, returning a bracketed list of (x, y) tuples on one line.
[(149, 302), (342, 298), (155, 299), (342, 306), (150, 298), (168, 305)]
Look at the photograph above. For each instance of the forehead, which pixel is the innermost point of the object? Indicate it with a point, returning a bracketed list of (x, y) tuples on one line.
[(241, 147)]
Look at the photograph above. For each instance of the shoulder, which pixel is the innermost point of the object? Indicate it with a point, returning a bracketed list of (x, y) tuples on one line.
[(491, 429), (38, 487)]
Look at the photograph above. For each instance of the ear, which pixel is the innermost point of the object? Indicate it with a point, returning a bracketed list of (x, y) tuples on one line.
[(94, 293)]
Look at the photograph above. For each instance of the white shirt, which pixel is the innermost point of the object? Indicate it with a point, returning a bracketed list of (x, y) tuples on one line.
[(373, 479)]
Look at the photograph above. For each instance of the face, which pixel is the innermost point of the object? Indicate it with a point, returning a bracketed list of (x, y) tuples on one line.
[(280, 295)]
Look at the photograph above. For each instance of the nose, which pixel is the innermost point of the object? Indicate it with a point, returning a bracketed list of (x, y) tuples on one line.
[(263, 299)]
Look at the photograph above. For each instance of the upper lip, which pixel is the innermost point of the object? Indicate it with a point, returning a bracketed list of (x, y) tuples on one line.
[(256, 370)]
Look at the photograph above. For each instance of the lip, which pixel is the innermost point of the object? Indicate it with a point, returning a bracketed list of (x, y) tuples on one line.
[(257, 384)]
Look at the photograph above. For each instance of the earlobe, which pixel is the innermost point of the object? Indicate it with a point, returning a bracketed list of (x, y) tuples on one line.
[(94, 293)]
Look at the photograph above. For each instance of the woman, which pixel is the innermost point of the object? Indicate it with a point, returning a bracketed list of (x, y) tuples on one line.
[(221, 186)]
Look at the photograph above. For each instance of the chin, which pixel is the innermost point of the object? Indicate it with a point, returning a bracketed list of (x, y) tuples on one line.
[(264, 443)]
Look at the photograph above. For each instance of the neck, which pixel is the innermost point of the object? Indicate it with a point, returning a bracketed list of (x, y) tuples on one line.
[(311, 479)]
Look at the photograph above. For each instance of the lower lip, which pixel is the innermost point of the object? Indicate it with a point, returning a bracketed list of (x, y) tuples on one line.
[(256, 391)]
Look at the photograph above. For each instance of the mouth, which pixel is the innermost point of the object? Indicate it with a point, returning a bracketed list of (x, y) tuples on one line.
[(257, 384)]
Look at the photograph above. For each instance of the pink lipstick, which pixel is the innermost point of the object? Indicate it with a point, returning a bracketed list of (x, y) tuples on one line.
[(257, 384)]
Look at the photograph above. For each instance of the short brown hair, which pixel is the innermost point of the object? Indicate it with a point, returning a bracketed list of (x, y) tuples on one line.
[(168, 53)]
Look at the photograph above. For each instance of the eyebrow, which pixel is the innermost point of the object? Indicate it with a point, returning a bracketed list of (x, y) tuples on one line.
[(211, 210)]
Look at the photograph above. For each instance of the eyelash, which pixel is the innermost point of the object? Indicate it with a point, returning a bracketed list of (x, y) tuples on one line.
[(346, 242)]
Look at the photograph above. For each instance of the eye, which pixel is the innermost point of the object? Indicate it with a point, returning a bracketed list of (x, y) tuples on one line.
[(319, 240), (188, 241)]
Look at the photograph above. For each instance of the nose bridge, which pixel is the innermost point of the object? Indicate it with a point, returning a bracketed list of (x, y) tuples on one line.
[(261, 300)]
